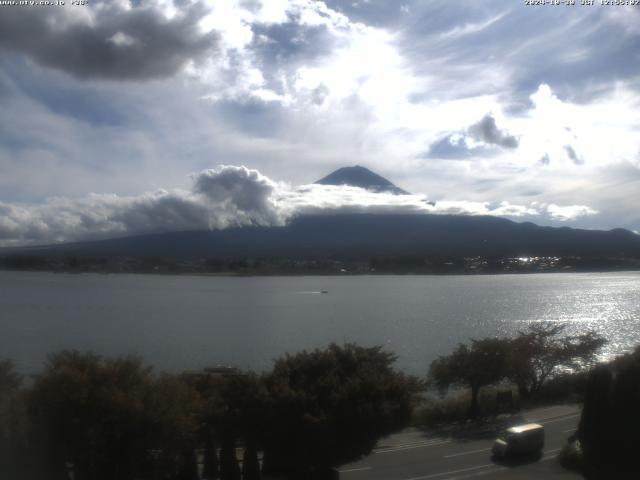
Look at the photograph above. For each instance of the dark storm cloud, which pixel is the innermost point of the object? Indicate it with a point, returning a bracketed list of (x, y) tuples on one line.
[(137, 44), (488, 132)]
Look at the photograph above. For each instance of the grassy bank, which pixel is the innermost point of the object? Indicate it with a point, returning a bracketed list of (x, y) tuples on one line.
[(437, 411)]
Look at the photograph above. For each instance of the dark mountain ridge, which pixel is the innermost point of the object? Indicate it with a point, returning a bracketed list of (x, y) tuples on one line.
[(362, 236)]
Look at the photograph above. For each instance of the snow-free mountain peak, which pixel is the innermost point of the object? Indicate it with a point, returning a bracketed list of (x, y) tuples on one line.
[(362, 177)]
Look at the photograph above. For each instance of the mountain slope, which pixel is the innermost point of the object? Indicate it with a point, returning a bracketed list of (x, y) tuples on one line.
[(363, 236), (361, 177)]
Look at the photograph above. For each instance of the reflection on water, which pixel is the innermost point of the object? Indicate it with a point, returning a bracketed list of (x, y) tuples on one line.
[(181, 322)]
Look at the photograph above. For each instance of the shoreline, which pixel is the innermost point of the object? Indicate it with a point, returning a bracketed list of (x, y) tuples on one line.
[(284, 273)]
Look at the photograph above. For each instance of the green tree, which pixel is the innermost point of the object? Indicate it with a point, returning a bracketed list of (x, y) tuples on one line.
[(174, 406), (12, 425), (10, 381), (245, 401), (233, 414), (91, 412), (479, 364), (209, 414), (328, 407), (541, 351), (111, 418)]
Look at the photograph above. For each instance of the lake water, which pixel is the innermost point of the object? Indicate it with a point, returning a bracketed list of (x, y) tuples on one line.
[(189, 322)]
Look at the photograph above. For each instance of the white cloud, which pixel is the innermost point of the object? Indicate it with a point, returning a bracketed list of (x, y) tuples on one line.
[(230, 20), (569, 212), (505, 209), (227, 196), (471, 28), (298, 88), (120, 39), (601, 131)]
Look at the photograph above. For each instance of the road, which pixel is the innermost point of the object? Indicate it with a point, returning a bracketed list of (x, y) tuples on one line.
[(413, 455)]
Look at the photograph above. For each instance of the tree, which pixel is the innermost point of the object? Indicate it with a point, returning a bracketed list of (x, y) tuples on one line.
[(9, 380), (480, 364), (232, 410), (329, 407), (174, 405), (245, 401), (10, 383), (232, 413), (12, 428), (210, 469), (610, 420), (596, 422), (108, 417), (539, 353), (209, 413)]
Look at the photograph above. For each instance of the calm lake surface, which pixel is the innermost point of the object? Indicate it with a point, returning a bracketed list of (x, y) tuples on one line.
[(189, 322)]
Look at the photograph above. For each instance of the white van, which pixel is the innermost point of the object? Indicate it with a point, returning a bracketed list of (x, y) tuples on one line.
[(520, 440)]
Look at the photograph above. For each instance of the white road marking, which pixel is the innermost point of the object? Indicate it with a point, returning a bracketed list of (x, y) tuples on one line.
[(546, 456), (547, 452), (466, 472), (556, 415), (359, 469), (478, 474), (417, 442), (470, 452), (561, 419), (410, 447), (570, 430), (493, 470), (450, 472)]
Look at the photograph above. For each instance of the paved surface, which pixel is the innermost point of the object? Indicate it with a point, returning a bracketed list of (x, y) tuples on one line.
[(414, 455)]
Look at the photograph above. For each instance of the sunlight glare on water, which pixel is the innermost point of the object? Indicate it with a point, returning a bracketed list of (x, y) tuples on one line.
[(187, 322)]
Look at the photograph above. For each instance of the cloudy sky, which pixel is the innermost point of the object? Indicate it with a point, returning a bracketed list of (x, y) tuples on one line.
[(133, 116)]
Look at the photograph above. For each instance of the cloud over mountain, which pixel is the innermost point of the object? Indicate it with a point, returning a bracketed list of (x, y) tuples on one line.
[(243, 195), (129, 96), (223, 197)]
